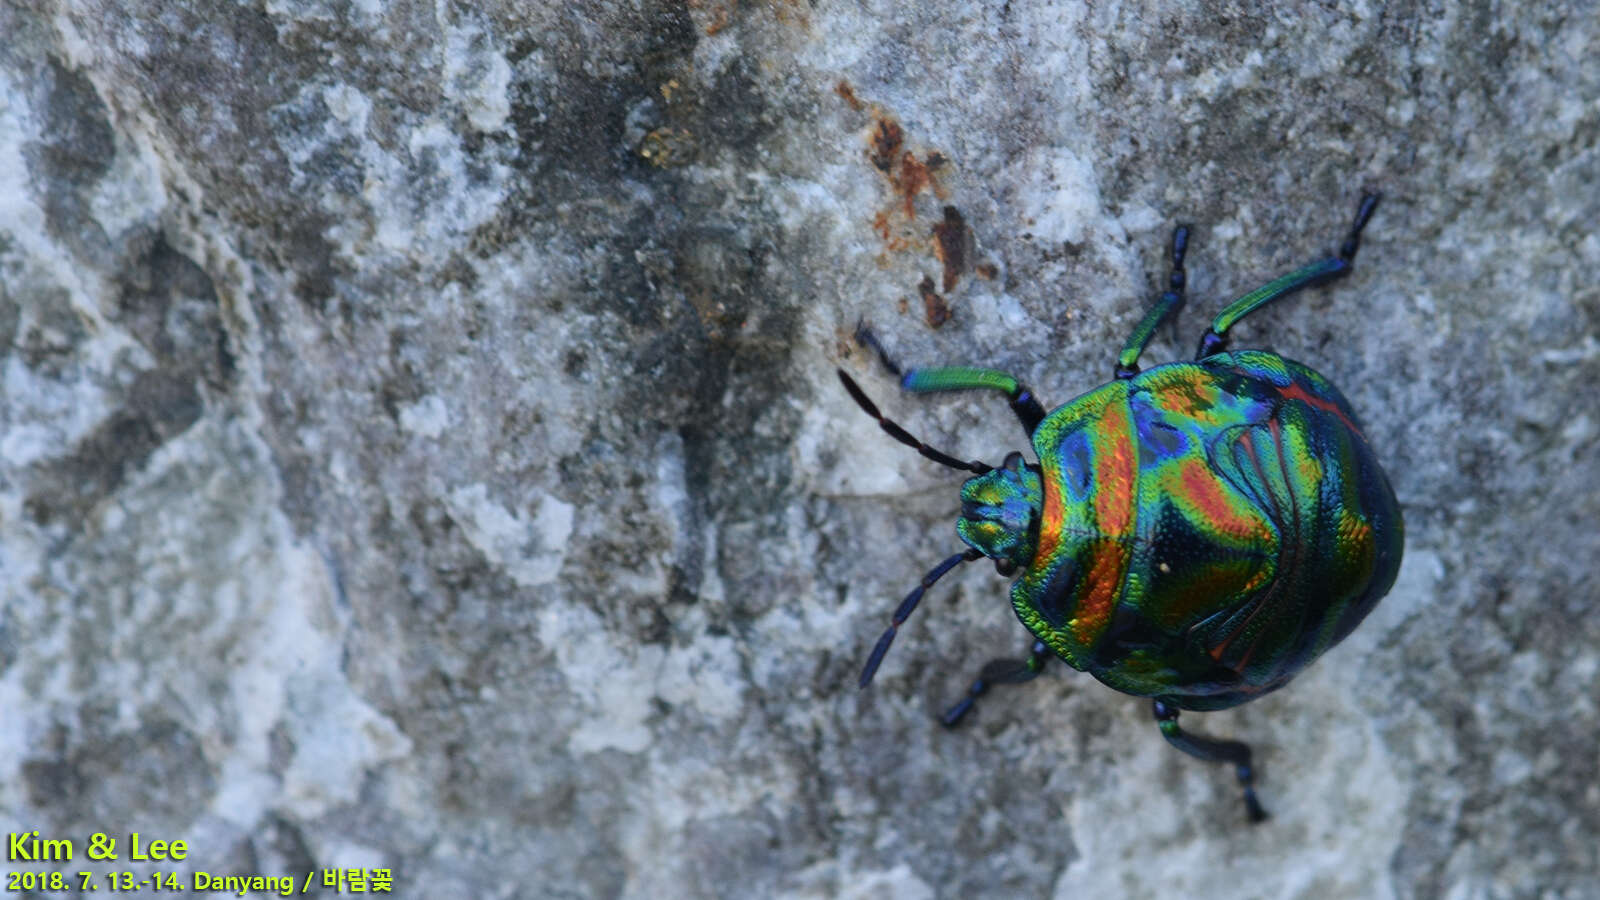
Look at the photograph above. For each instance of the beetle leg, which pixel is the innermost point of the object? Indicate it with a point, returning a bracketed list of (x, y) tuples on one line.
[(1235, 752), (1166, 306), (926, 381), (999, 671), (963, 378), (866, 338), (1216, 337)]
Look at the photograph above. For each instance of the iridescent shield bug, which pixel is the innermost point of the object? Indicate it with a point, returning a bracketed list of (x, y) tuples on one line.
[(1196, 533)]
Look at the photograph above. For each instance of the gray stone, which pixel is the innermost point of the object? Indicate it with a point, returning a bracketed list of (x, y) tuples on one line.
[(420, 449)]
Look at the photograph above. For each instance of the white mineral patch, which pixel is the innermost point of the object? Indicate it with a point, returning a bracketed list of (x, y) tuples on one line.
[(343, 853), (1064, 198), (132, 192), (477, 76), (672, 489), (876, 460), (531, 551), (616, 709), (428, 417), (460, 201), (1584, 350), (22, 221), (337, 736), (705, 675), (348, 105), (294, 676), (290, 676)]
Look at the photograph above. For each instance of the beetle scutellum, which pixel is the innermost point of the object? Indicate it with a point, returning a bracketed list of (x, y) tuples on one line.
[(1196, 533)]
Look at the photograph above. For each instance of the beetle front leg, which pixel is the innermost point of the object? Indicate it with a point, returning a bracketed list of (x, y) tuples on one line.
[(1024, 404), (1234, 752), (999, 671), (965, 378)]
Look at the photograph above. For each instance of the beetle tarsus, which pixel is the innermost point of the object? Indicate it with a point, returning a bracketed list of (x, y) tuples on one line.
[(1252, 806), (866, 338), (1352, 241), (1210, 750)]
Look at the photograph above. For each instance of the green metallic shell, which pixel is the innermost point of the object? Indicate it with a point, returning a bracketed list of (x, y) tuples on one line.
[(1206, 529)]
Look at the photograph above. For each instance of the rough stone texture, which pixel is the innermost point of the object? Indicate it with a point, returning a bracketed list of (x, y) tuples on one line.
[(421, 447)]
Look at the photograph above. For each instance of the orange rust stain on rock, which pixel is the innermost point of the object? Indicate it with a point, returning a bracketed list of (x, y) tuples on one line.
[(951, 243), (887, 139), (880, 224), (895, 240), (843, 89), (914, 179), (720, 16), (934, 309), (909, 175)]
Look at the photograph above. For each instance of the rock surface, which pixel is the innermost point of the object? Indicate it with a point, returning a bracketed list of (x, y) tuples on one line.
[(420, 449)]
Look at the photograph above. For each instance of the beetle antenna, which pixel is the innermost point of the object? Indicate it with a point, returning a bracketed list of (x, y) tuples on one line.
[(903, 436), (907, 606)]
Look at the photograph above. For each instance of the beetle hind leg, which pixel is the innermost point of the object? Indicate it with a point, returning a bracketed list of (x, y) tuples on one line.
[(998, 671), (1235, 752)]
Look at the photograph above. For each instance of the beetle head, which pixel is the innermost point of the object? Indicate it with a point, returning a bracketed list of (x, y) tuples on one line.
[(1000, 514)]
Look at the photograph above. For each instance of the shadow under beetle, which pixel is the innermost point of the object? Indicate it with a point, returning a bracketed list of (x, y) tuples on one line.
[(1197, 533)]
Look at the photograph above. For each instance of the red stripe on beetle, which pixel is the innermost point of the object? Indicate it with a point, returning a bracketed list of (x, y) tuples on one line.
[(1115, 477), (1295, 392)]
